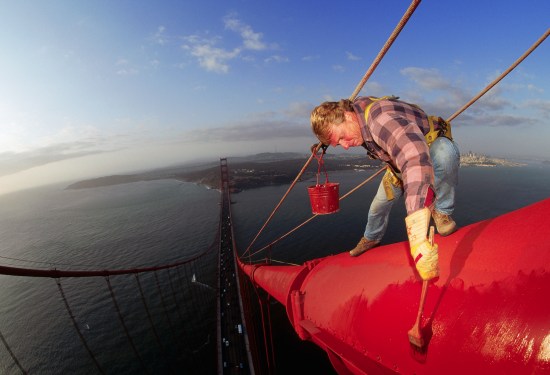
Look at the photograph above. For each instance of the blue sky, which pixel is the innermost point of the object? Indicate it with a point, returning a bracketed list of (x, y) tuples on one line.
[(90, 88)]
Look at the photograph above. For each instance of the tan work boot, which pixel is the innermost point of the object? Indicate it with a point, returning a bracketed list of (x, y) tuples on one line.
[(363, 245), (444, 223)]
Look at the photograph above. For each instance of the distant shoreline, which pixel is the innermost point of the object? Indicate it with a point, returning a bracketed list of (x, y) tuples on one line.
[(477, 160), (265, 170)]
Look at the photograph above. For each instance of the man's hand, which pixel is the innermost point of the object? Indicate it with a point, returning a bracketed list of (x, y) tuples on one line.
[(426, 260), (314, 147), (423, 251)]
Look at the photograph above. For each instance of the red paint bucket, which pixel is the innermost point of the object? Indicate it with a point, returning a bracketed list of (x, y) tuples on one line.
[(324, 198)]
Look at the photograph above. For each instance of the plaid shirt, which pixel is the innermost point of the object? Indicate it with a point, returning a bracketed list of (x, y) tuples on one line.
[(394, 133)]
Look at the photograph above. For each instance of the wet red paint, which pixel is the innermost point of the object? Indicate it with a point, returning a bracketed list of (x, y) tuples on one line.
[(489, 311)]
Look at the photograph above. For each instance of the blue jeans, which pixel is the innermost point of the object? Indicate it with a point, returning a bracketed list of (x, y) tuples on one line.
[(446, 160)]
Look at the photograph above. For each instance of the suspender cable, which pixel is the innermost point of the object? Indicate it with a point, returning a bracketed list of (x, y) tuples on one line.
[(497, 80), (75, 324), (146, 306), (386, 47), (314, 216), (15, 360), (483, 92), (124, 326), (283, 198), (410, 10), (163, 304)]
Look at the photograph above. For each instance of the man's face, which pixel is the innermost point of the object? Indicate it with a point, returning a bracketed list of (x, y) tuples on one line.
[(346, 134)]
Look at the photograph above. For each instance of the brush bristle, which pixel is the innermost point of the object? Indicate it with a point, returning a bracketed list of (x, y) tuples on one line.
[(416, 341)]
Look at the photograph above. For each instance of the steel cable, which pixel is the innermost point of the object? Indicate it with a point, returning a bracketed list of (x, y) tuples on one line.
[(75, 324), (410, 10), (462, 109), (123, 323), (500, 77), (12, 354)]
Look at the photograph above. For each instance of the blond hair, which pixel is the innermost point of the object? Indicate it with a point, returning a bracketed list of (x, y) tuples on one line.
[(327, 114)]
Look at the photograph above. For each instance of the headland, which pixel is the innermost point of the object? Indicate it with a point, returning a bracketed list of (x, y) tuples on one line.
[(266, 169)]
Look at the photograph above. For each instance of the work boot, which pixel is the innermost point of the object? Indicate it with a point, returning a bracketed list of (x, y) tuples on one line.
[(444, 223), (363, 245)]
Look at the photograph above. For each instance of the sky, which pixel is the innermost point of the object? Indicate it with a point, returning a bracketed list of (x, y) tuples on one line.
[(93, 88)]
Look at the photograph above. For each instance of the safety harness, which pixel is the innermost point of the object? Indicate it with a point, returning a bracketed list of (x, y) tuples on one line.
[(443, 129)]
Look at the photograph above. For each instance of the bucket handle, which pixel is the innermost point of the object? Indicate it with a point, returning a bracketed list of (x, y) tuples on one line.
[(321, 164)]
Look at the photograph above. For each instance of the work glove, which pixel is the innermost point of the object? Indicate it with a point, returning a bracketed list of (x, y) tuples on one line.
[(423, 251)]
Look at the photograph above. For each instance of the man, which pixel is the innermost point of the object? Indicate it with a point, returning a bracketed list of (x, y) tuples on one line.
[(422, 164)]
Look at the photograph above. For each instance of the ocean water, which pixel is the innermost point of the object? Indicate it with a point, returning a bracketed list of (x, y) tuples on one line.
[(126, 226), (103, 226), (158, 222), (483, 193)]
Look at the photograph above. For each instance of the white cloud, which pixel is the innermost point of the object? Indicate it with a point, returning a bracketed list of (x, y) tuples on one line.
[(427, 78), (152, 155), (505, 120), (277, 59), (124, 68), (217, 59), (437, 95), (68, 142), (532, 87), (493, 101), (374, 88), (541, 105), (127, 72), (159, 36), (311, 58), (352, 57), (212, 58), (290, 124), (122, 146), (14, 138), (299, 110), (251, 40)]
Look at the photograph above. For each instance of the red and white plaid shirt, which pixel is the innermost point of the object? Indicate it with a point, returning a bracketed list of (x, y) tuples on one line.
[(394, 133)]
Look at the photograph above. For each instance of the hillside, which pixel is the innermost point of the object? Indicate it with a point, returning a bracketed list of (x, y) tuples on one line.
[(246, 172), (264, 170)]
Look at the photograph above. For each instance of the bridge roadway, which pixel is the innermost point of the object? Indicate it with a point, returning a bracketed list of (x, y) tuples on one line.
[(233, 350)]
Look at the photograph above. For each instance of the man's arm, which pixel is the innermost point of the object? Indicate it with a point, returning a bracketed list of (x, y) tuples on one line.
[(398, 133)]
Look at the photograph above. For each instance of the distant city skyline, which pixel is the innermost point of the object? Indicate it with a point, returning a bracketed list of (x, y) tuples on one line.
[(96, 88)]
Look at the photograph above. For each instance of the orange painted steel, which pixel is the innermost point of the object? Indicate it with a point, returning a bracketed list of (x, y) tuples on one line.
[(489, 311)]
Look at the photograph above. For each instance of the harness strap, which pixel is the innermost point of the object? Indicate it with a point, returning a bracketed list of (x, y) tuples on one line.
[(389, 179), (374, 100), (443, 130)]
